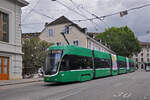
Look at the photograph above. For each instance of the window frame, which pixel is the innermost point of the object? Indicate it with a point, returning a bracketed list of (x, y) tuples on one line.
[(122, 64), (141, 54), (50, 32), (142, 59), (89, 45), (99, 60), (2, 24), (148, 60), (76, 42), (147, 54), (131, 65), (73, 63), (67, 29), (136, 59)]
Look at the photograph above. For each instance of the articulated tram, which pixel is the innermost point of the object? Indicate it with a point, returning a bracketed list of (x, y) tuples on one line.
[(72, 63)]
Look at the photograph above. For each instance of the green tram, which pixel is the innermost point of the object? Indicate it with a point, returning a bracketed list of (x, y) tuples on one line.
[(72, 63), (122, 65), (131, 65)]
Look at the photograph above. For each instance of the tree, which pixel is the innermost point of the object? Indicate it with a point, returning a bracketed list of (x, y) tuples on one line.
[(34, 56), (121, 40)]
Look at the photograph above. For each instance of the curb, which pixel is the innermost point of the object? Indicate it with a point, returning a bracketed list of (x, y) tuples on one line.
[(15, 83)]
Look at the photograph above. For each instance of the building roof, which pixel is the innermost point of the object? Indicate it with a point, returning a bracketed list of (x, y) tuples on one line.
[(144, 43), (100, 43), (92, 34), (63, 20), (22, 2)]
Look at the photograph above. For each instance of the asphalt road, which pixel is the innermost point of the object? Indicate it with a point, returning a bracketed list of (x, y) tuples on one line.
[(132, 86)]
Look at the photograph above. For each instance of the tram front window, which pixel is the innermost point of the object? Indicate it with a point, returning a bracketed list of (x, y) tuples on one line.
[(52, 62)]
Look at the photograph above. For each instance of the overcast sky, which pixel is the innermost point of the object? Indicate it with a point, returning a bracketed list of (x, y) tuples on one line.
[(137, 20)]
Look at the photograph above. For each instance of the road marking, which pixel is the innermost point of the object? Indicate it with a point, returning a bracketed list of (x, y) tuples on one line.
[(127, 95), (118, 94), (123, 94)]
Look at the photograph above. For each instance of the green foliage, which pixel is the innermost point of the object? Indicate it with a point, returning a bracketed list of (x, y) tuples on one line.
[(34, 51), (121, 40)]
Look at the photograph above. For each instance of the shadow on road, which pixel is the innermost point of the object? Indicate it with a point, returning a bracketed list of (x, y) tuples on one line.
[(69, 83), (59, 84)]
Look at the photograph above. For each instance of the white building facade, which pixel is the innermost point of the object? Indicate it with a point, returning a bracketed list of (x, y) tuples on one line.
[(143, 56), (10, 39), (76, 35)]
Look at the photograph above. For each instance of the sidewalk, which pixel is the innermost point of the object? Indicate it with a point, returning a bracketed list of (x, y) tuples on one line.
[(21, 81)]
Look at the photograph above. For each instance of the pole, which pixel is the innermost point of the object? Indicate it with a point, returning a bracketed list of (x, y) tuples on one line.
[(62, 33)]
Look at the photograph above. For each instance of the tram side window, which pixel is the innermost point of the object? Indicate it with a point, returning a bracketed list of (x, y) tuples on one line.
[(122, 64), (102, 63), (131, 64), (74, 62)]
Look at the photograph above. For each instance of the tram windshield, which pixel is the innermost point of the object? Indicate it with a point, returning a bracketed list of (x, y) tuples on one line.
[(52, 62)]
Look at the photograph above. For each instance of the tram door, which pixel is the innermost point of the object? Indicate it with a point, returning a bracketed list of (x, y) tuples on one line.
[(4, 68)]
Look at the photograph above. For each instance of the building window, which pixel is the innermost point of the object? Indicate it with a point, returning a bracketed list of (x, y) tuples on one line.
[(148, 55), (51, 32), (76, 42), (4, 23), (89, 45), (147, 59), (121, 64), (93, 47), (99, 49), (58, 43), (141, 54), (136, 55), (141, 66), (136, 59), (96, 47), (68, 29), (141, 59), (102, 63)]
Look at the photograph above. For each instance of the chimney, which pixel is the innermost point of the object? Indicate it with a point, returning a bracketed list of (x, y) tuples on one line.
[(85, 30), (46, 24)]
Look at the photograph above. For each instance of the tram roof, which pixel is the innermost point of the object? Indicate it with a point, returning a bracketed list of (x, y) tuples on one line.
[(65, 47), (121, 58), (76, 50), (131, 60), (99, 54), (73, 50)]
